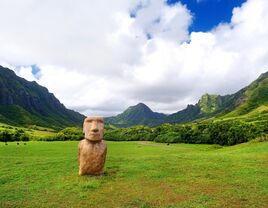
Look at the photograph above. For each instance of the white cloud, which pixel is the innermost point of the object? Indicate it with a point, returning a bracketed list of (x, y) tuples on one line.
[(25, 72), (157, 19), (97, 59)]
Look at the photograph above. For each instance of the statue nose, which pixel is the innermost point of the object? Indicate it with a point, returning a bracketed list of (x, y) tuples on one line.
[(94, 127), (95, 130)]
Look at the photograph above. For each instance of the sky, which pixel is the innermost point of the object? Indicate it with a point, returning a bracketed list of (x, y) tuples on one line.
[(99, 57), (209, 13)]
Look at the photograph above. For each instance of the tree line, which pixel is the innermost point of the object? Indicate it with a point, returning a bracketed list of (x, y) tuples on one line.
[(217, 132), (67, 134), (209, 132), (14, 136)]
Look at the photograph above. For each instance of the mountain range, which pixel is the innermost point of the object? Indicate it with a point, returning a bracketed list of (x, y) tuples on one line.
[(27, 103), (244, 101)]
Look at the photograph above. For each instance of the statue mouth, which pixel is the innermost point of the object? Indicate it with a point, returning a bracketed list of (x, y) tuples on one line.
[(94, 134), (94, 137)]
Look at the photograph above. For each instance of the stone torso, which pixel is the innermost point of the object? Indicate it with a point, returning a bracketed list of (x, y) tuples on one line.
[(91, 157)]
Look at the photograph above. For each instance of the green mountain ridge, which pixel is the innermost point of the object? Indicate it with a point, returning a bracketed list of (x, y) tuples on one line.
[(244, 101), (27, 103), (138, 114)]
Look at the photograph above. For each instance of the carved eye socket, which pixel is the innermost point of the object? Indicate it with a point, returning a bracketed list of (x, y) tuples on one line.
[(91, 120), (100, 121)]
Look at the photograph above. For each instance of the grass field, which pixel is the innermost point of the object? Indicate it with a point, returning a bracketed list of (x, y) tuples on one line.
[(36, 132), (138, 174)]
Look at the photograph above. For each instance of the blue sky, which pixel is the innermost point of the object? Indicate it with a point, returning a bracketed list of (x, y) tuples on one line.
[(209, 13)]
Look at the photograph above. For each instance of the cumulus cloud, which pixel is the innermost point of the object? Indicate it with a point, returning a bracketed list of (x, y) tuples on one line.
[(157, 19), (100, 59)]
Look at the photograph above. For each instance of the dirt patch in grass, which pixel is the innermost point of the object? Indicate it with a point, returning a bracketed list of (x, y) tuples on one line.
[(204, 188), (242, 202), (139, 193)]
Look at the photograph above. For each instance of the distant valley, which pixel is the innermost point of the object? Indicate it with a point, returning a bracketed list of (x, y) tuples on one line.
[(27, 103), (253, 97)]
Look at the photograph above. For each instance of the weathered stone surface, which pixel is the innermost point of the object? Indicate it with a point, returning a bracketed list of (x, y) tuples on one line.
[(92, 150), (92, 157)]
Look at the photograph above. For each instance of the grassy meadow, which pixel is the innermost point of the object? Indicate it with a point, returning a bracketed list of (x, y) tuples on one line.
[(138, 174)]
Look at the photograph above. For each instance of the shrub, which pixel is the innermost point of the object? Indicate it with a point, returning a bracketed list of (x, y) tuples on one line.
[(11, 136), (219, 132), (170, 137), (6, 136), (70, 133)]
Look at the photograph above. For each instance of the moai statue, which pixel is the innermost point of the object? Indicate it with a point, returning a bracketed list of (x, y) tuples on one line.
[(92, 150)]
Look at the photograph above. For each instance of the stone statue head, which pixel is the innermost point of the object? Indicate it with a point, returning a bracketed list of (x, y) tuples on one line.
[(93, 128)]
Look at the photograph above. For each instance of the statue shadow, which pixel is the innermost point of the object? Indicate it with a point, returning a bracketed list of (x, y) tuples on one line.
[(111, 172)]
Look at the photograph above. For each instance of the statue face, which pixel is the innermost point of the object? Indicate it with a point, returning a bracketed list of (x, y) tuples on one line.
[(93, 128)]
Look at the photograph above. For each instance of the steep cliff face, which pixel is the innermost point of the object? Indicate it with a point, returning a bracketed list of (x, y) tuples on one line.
[(40, 106), (210, 103), (251, 97)]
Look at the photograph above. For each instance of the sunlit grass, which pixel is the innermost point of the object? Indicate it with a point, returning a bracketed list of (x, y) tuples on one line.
[(138, 174), (35, 132)]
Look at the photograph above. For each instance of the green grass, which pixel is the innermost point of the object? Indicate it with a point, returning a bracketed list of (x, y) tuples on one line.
[(35, 132), (138, 174), (39, 133)]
